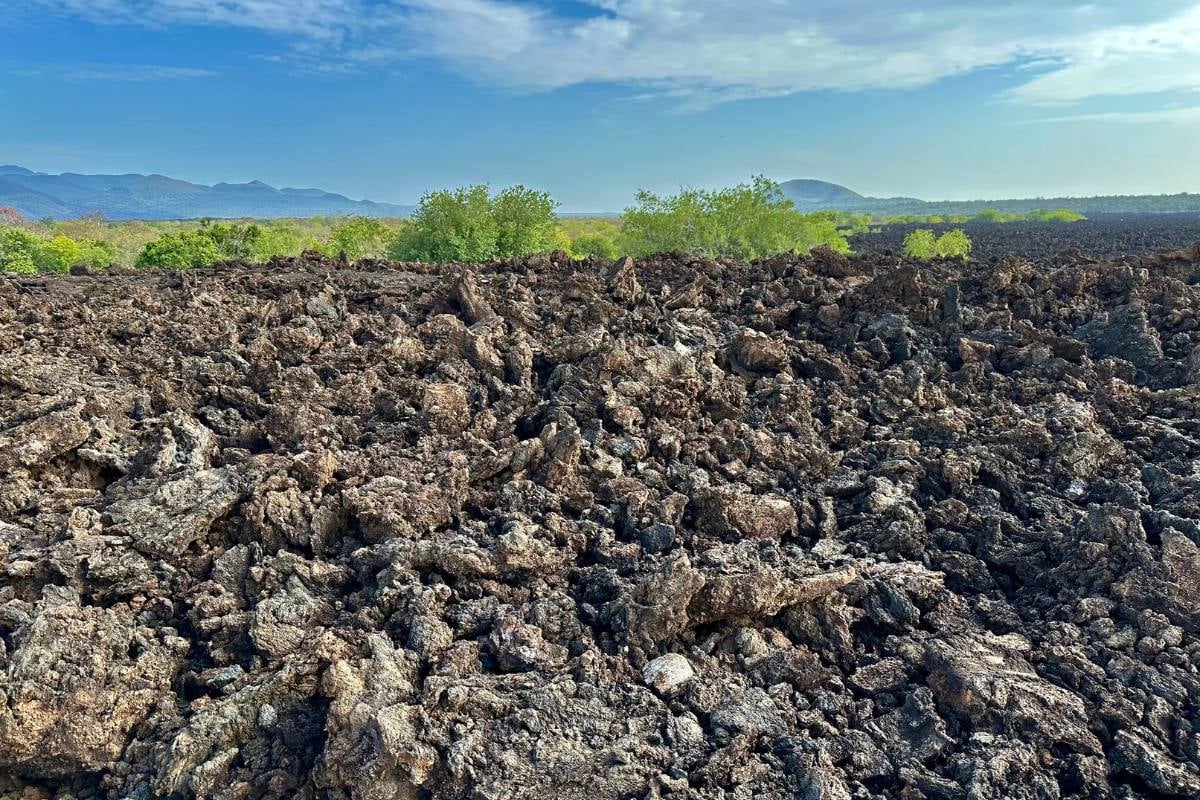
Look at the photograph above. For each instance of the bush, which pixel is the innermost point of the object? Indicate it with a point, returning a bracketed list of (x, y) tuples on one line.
[(992, 215), (449, 226), (954, 244), (470, 225), (284, 239), (592, 237), (235, 242), (854, 223), (96, 253), (184, 250), (525, 222), (215, 242), (59, 254), (924, 245), (19, 250), (921, 244), (1058, 215), (594, 244), (747, 221), (360, 237)]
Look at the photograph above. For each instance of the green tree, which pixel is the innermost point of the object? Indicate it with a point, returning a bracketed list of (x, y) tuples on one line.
[(183, 250), (59, 254), (662, 224), (525, 222), (590, 237), (96, 253), (284, 238), (746, 221), (921, 244), (360, 237), (594, 244), (19, 250), (236, 242), (449, 226)]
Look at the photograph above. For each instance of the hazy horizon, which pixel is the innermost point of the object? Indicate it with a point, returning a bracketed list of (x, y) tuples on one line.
[(602, 211), (384, 99)]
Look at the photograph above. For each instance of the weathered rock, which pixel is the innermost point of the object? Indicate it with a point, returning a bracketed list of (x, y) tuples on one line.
[(818, 526), (1124, 333), (668, 674), (758, 352), (752, 712), (42, 439), (164, 517), (730, 512), (78, 683), (986, 680)]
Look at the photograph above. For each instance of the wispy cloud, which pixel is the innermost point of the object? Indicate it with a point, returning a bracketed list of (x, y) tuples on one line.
[(314, 19), (136, 73), (1184, 115), (128, 73), (700, 52), (1121, 60)]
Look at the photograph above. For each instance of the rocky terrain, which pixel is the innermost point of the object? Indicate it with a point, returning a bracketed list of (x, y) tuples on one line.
[(815, 527), (1099, 236)]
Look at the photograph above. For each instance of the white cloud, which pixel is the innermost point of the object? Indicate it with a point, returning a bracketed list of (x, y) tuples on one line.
[(1183, 115), (700, 52), (1122, 60), (313, 19), (128, 73), (139, 73)]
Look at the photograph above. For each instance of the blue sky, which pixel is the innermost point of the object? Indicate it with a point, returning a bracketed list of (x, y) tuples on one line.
[(594, 99)]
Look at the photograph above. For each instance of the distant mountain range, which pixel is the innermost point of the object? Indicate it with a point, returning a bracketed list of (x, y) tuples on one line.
[(38, 195), (812, 195)]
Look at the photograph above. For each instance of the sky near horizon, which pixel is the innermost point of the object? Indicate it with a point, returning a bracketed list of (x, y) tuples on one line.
[(594, 99)]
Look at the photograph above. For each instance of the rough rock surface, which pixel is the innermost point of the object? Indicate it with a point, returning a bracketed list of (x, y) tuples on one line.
[(815, 527), (1100, 235)]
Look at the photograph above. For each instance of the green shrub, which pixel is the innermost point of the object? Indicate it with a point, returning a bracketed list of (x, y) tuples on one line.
[(449, 226), (594, 244), (854, 223), (992, 215), (236, 242), (746, 221), (1058, 215), (525, 222), (283, 239), (360, 237), (96, 253), (184, 250), (921, 244), (559, 241), (953, 244), (20, 263), (59, 254), (471, 225), (215, 242), (20, 250)]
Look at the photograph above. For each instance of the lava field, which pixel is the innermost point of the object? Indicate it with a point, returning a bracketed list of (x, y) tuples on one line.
[(1100, 236), (813, 527)]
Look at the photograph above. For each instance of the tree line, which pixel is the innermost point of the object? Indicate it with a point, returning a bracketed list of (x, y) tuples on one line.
[(471, 224)]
